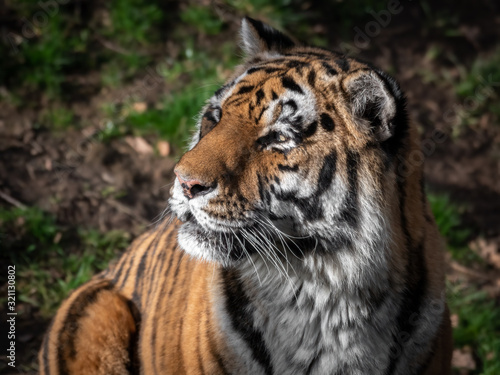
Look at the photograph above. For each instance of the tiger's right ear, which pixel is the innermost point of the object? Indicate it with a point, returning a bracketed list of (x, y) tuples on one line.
[(258, 37)]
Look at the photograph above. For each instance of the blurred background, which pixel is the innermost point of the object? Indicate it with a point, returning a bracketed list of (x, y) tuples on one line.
[(98, 99)]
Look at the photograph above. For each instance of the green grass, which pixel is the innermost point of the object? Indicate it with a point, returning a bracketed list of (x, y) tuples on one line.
[(479, 89), (202, 18), (478, 326), (42, 61), (51, 260), (132, 27), (448, 216), (194, 76), (478, 315), (57, 118), (75, 39)]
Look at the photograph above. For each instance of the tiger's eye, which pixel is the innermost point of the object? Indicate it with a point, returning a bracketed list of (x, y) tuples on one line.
[(281, 138)]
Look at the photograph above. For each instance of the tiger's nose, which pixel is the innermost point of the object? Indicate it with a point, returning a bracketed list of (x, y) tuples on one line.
[(193, 188)]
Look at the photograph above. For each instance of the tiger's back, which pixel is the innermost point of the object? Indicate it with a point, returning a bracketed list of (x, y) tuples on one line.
[(155, 304), (306, 243)]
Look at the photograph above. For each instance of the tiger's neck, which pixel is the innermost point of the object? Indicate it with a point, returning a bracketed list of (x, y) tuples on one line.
[(299, 314)]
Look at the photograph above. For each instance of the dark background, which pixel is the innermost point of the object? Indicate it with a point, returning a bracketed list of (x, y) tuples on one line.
[(97, 100)]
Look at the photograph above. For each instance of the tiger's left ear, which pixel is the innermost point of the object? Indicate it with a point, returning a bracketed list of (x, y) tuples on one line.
[(374, 99), (258, 37)]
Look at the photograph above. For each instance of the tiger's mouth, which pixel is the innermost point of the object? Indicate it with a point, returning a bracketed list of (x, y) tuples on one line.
[(224, 246), (234, 244)]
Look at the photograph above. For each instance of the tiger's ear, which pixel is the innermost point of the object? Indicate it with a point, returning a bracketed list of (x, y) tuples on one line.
[(258, 37), (374, 100)]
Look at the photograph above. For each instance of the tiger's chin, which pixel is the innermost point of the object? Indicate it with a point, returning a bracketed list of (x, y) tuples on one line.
[(209, 245)]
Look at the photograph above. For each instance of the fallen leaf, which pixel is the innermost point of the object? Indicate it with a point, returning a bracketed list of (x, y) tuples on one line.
[(140, 145), (57, 237), (48, 164), (462, 359), (163, 148), (140, 107), (487, 250)]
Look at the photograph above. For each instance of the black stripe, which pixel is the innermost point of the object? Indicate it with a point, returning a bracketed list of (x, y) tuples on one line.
[(259, 95), (329, 69), (343, 64), (327, 122), (254, 69), (236, 101), (71, 323), (288, 168), (290, 84), (163, 284), (150, 273), (274, 95), (187, 279), (134, 365), (310, 207), (178, 256), (129, 255), (311, 78), (251, 107), (220, 91), (297, 64), (257, 119), (292, 104), (350, 210), (245, 89), (238, 308), (139, 279), (272, 70), (327, 173), (311, 129)]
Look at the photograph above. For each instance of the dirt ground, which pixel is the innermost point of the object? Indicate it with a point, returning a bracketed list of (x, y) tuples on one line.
[(65, 172)]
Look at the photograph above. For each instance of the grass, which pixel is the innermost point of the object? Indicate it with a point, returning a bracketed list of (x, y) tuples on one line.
[(202, 18), (48, 45), (51, 260), (448, 216), (131, 28), (478, 316), (125, 36), (57, 118), (478, 326), (479, 89), (194, 76)]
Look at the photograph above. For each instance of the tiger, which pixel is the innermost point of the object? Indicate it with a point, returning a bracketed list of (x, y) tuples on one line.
[(300, 239)]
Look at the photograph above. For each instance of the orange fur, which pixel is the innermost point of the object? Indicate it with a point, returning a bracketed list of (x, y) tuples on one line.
[(155, 309)]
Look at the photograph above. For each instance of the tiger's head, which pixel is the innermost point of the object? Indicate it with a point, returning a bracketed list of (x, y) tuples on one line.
[(299, 143)]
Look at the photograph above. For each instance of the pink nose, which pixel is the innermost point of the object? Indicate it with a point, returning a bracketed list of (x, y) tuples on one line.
[(192, 188)]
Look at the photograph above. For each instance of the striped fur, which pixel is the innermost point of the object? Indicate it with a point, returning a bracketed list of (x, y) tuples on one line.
[(303, 241)]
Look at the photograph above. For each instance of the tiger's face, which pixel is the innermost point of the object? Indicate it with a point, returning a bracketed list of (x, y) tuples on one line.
[(280, 149)]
